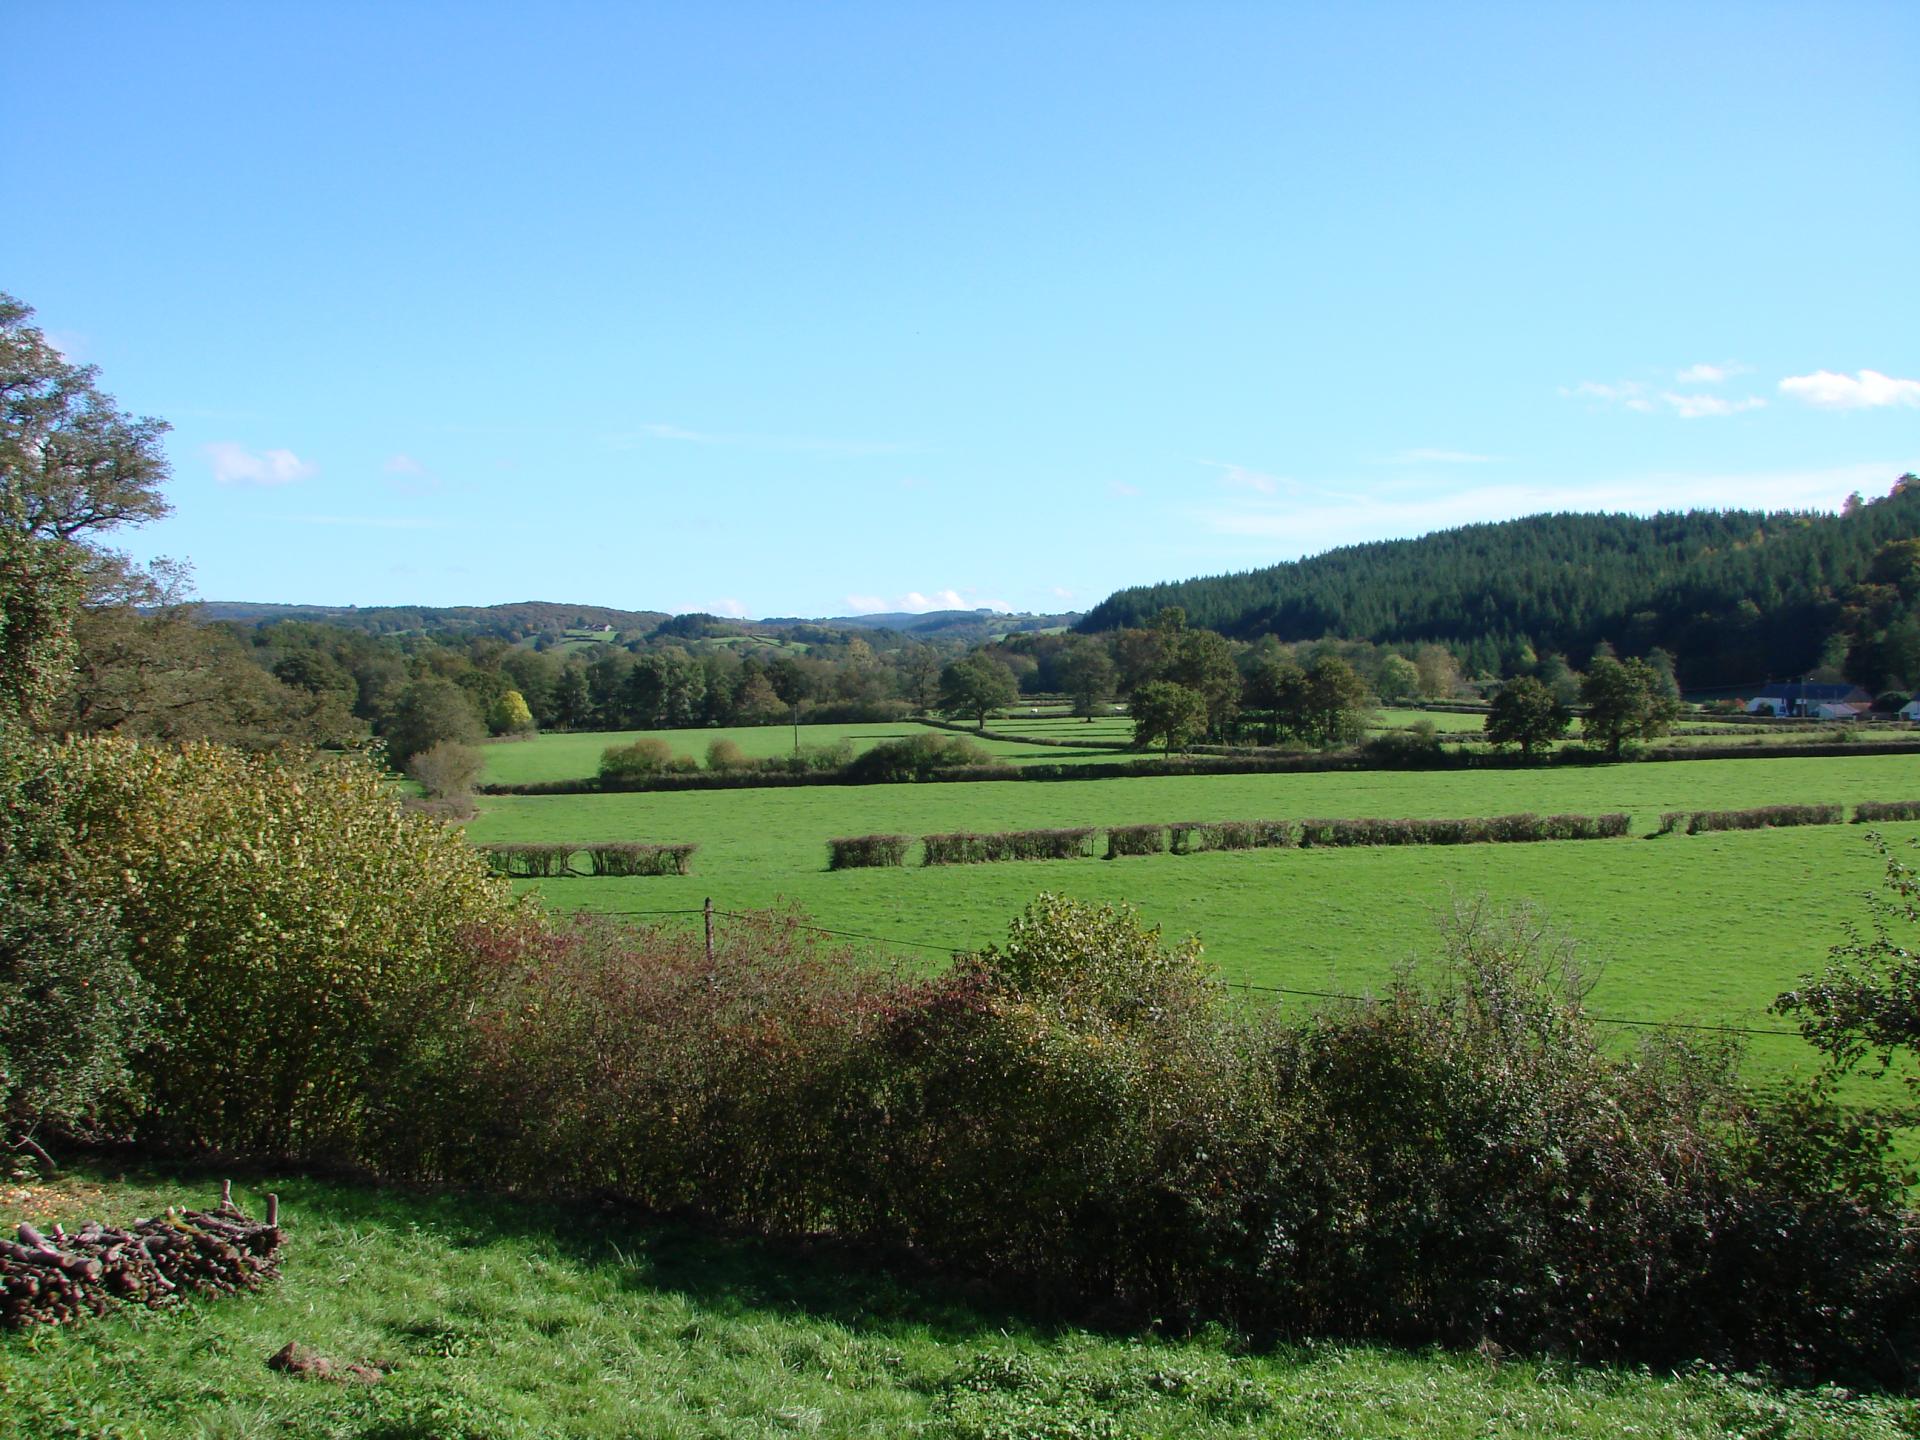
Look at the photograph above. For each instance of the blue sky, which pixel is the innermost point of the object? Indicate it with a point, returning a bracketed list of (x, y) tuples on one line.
[(817, 308)]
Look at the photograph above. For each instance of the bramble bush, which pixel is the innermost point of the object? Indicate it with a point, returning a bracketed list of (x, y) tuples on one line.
[(1082, 1114)]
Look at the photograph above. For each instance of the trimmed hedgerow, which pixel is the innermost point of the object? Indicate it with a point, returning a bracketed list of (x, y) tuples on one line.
[(1669, 821), (855, 852), (1136, 840), (631, 857), (965, 847), (1868, 811), (1484, 830), (530, 862), (1188, 837), (1764, 817)]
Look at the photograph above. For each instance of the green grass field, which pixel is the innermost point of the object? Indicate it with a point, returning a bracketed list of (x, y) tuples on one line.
[(1703, 928), (498, 1321), (575, 755)]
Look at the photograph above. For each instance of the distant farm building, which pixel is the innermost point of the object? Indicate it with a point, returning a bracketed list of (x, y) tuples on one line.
[(1804, 700)]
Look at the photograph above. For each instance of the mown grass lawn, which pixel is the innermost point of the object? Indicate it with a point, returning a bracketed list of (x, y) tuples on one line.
[(1704, 928), (505, 1321)]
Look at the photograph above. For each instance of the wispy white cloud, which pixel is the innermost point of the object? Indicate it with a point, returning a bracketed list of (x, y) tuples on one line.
[(785, 444), (916, 602), (1644, 399), (1869, 390), (1287, 528), (234, 464), (1694, 406), (1710, 374), (1243, 477), (403, 465), (939, 600), (1124, 490), (1060, 592)]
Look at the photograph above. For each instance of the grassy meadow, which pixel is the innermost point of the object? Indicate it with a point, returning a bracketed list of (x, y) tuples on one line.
[(501, 1321), (1705, 928), (576, 755)]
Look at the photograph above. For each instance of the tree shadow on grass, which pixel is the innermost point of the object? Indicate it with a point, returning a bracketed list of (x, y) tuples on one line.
[(859, 1287)]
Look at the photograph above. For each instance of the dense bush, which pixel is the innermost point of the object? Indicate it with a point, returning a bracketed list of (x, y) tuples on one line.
[(967, 848), (1869, 811), (643, 757), (856, 852), (447, 770), (297, 931), (605, 1061), (811, 760), (917, 757), (726, 755), (1764, 817)]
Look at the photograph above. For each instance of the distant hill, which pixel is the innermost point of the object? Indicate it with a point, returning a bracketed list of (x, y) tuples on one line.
[(1739, 596), (967, 625), (525, 617), (528, 618)]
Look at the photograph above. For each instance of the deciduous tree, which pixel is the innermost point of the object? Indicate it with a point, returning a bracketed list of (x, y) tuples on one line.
[(1087, 675), (1167, 714), (976, 685), (1624, 702), (1528, 714)]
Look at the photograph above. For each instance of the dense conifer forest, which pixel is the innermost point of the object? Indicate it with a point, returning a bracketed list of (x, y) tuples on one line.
[(1739, 597)]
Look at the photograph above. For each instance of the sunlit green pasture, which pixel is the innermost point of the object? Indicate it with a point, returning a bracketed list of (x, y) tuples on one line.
[(576, 755), (503, 1321), (1705, 928)]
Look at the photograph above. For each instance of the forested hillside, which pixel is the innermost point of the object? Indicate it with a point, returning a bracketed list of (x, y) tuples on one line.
[(1737, 596)]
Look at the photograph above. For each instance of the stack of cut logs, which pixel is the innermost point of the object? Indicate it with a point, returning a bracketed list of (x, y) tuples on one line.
[(49, 1280)]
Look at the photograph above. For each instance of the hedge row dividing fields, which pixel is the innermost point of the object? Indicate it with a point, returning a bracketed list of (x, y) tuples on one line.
[(1188, 837), (618, 858)]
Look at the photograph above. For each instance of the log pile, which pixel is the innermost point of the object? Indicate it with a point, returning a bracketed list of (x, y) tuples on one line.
[(51, 1280)]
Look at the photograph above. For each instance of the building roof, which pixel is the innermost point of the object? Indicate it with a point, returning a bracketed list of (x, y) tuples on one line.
[(1814, 694)]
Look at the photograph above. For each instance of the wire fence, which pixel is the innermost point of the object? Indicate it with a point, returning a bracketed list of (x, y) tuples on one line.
[(1241, 985)]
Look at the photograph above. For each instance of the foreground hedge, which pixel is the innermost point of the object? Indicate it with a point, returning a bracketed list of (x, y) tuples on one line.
[(1084, 1114)]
